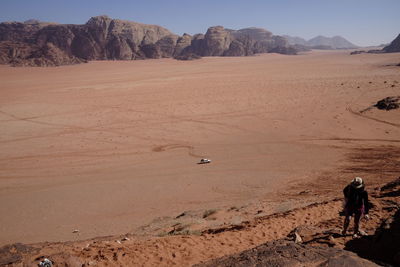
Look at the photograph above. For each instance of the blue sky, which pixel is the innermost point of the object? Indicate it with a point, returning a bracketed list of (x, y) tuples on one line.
[(363, 22)]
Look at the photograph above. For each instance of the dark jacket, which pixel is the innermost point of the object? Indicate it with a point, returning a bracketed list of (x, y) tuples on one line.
[(356, 198)]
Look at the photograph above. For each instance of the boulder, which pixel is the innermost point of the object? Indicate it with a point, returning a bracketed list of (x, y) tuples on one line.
[(287, 253), (388, 103)]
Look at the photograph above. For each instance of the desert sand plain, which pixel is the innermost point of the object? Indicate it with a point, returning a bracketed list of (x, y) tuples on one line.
[(107, 147)]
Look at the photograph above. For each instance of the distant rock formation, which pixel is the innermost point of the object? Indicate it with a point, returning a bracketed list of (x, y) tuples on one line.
[(294, 40), (219, 41), (321, 42), (336, 42), (394, 46), (35, 43)]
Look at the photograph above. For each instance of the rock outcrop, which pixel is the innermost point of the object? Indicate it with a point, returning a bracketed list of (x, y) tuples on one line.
[(394, 46), (34, 43), (100, 38), (288, 253), (216, 41), (388, 103), (182, 43), (219, 41)]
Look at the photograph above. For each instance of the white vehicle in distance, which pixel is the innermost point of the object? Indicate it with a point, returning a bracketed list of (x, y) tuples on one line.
[(204, 161)]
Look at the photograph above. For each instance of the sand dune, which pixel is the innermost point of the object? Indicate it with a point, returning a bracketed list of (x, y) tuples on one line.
[(106, 147)]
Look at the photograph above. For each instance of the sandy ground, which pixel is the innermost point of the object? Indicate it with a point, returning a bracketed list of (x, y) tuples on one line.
[(106, 147)]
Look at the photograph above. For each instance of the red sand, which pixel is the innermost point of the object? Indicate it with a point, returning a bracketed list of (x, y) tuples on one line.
[(106, 147)]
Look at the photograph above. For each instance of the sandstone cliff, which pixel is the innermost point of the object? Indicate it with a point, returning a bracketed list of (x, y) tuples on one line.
[(99, 39), (219, 41), (34, 43)]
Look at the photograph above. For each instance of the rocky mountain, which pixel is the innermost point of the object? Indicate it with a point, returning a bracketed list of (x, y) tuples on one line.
[(219, 41), (34, 43), (100, 38), (336, 42), (322, 42), (294, 40), (394, 46)]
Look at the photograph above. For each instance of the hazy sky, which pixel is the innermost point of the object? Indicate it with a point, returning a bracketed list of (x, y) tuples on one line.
[(363, 22)]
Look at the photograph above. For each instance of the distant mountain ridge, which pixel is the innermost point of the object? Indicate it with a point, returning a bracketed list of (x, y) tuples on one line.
[(335, 42), (35, 43)]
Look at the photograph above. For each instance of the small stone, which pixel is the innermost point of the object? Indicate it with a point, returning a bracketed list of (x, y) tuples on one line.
[(75, 231), (298, 238), (180, 215), (46, 263)]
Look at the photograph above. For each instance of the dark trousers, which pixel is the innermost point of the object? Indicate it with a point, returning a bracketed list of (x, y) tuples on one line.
[(350, 211)]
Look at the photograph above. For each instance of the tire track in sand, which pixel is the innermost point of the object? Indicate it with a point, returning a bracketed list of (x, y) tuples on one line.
[(190, 149), (371, 118)]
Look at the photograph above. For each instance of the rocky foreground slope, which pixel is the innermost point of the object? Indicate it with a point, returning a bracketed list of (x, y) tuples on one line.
[(34, 43), (320, 245), (308, 244)]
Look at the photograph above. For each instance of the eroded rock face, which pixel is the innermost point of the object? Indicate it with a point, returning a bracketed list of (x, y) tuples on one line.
[(99, 39), (182, 43), (216, 41), (35, 43), (219, 41), (166, 45)]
